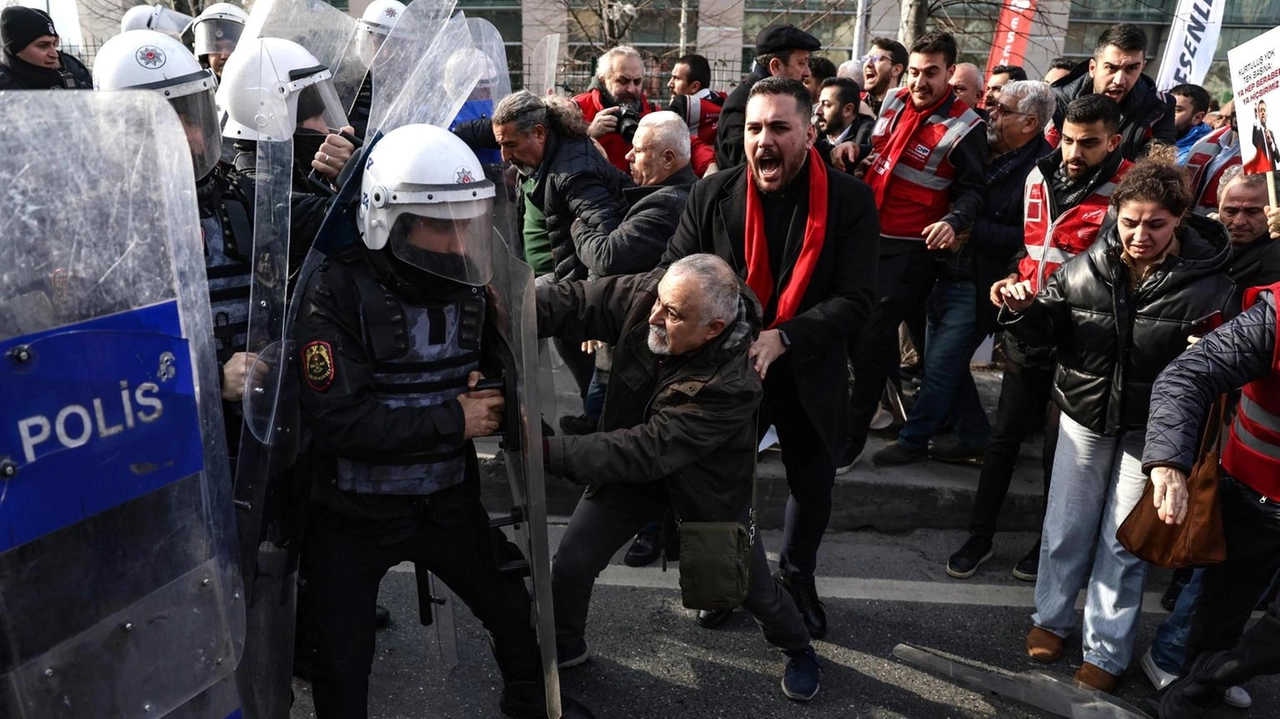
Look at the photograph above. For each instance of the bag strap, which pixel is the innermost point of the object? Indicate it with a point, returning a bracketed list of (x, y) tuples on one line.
[(1213, 427), (751, 509)]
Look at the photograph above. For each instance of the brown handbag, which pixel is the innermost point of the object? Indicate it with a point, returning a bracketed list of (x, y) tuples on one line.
[(1198, 540)]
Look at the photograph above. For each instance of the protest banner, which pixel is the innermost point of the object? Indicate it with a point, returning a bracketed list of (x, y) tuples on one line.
[(1255, 80)]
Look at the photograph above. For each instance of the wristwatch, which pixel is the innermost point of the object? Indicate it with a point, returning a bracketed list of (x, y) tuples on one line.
[(786, 341)]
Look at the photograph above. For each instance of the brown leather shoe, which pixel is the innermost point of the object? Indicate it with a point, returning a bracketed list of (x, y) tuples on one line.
[(1094, 676), (1043, 645)]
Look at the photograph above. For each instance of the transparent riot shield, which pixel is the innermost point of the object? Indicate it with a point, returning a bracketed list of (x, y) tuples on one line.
[(402, 51), (118, 580), (428, 88), (543, 65), (324, 30), (494, 84), (514, 314), (1056, 695), (268, 441)]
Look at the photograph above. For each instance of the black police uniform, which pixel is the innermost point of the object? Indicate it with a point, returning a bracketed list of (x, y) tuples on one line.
[(384, 350)]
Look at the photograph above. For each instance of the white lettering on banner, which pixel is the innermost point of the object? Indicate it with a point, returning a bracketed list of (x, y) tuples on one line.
[(74, 426), (1193, 39), (1009, 42)]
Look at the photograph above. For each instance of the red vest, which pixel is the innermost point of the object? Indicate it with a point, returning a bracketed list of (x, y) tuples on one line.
[(702, 114), (1208, 160), (919, 190), (613, 144), (1252, 454), (1051, 241)]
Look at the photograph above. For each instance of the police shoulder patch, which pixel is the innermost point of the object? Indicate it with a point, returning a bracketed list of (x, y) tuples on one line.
[(317, 358)]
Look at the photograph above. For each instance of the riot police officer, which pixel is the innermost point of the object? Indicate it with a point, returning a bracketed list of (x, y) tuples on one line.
[(215, 34), (393, 335), (156, 61)]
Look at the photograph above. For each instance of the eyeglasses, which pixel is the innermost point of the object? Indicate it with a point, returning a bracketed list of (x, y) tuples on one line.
[(873, 58), (1005, 110)]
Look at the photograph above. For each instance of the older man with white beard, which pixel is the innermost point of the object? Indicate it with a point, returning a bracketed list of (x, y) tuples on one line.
[(679, 434)]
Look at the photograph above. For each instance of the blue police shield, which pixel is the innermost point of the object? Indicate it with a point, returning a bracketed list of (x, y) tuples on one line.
[(118, 575)]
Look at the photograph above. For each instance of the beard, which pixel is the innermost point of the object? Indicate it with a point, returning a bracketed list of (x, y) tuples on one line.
[(658, 341)]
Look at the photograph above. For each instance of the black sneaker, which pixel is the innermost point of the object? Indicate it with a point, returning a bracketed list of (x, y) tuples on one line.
[(571, 654), (713, 618), (964, 563), (1029, 566), (956, 453), (645, 550), (802, 676), (896, 455), (528, 700)]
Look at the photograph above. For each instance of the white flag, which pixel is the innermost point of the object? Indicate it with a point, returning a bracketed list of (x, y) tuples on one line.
[(1192, 42)]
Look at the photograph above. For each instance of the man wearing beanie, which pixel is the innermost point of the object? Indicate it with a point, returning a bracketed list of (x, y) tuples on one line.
[(31, 59), (781, 51)]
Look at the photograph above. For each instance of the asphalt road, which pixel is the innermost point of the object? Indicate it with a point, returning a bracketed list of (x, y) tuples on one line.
[(649, 659)]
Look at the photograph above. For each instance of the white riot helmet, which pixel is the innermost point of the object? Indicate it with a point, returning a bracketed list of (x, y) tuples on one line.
[(154, 17), (218, 28), (149, 60), (270, 86), (381, 16), (425, 196)]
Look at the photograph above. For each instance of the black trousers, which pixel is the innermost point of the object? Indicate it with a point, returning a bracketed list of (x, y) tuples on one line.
[(344, 570), (603, 521), (906, 279), (1024, 395), (581, 365), (811, 472), (1230, 590), (1257, 653), (1218, 655)]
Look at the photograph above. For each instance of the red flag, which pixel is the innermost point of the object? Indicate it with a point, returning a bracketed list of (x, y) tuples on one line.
[(1012, 30)]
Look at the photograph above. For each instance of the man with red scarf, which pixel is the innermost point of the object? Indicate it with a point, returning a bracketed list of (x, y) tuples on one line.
[(928, 173), (805, 241)]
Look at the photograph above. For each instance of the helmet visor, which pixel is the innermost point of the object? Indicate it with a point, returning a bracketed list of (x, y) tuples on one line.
[(217, 36), (199, 117), (318, 103), (451, 240)]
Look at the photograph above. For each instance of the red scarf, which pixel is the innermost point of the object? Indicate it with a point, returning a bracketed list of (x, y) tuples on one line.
[(759, 275), (908, 121)]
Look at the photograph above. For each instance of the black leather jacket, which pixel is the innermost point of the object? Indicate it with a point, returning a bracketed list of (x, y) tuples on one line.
[(1113, 342), (1146, 114)]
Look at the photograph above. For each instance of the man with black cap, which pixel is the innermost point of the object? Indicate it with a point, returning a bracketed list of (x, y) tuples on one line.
[(31, 59), (781, 51)]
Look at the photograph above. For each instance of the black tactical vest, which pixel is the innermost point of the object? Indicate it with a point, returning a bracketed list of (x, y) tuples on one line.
[(422, 355)]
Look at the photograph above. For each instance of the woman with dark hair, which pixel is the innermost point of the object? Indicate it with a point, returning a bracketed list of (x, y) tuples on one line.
[(1117, 314)]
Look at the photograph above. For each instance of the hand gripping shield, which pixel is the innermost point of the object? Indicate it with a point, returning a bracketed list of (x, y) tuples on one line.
[(118, 578)]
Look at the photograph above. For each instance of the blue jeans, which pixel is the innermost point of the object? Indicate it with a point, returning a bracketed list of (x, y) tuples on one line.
[(951, 338), (1097, 480), (593, 404), (1169, 648)]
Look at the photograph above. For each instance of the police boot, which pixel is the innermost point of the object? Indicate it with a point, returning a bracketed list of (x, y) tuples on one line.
[(527, 700)]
